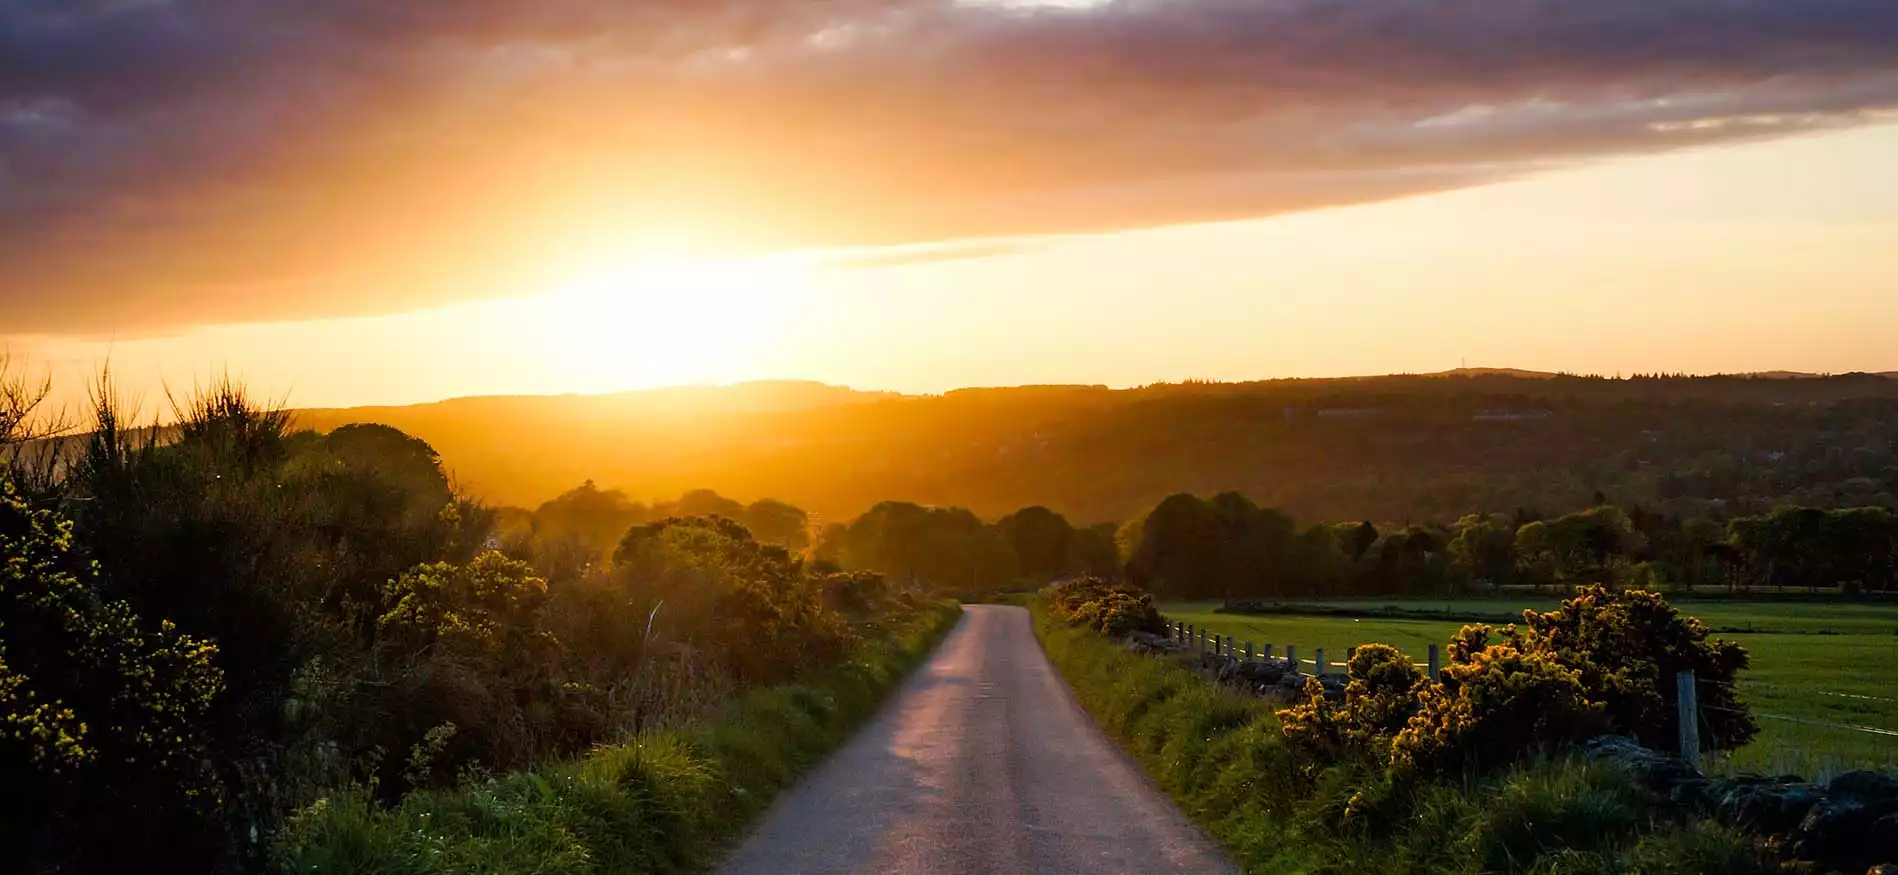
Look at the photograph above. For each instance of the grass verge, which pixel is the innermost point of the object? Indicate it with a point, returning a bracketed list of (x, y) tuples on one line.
[(662, 802), (1223, 759)]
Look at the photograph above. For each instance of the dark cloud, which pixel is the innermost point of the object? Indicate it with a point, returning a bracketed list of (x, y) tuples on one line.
[(189, 160)]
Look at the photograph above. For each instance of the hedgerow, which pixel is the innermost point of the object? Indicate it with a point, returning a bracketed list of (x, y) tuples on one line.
[(1480, 784), (662, 801)]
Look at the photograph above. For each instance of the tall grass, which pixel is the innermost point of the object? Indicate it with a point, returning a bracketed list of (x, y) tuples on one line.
[(664, 801), (1222, 757)]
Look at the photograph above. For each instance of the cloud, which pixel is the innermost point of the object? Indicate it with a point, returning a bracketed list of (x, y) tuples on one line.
[(193, 160), (928, 253)]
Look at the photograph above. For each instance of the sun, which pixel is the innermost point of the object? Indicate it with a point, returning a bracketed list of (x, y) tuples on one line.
[(665, 320)]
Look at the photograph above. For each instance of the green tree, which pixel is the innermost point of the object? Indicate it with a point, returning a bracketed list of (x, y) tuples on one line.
[(1484, 549), (1094, 552), (1043, 541), (702, 502), (592, 517), (774, 522)]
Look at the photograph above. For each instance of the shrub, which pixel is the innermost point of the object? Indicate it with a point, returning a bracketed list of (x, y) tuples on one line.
[(1380, 697), (92, 696), (1501, 705), (1112, 609), (1626, 646), (747, 604), (854, 593), (466, 676)]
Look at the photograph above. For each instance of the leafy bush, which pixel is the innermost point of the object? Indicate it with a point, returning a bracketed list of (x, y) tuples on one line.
[(1113, 609), (1626, 647), (1602, 661), (93, 696), (855, 593), (467, 676), (1501, 705), (1380, 698), (746, 604)]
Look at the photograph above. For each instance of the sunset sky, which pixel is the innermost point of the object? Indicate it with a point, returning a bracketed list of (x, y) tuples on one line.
[(355, 202)]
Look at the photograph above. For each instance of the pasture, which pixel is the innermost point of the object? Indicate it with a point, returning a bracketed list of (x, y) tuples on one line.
[(1822, 673)]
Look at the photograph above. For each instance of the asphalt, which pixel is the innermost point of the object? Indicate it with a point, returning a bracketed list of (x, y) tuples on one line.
[(982, 762)]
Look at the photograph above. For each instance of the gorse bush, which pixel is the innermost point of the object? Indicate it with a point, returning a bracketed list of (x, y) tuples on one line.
[(92, 696), (1380, 698), (1626, 646), (1501, 705), (1603, 661), (857, 593), (1113, 609), (469, 676)]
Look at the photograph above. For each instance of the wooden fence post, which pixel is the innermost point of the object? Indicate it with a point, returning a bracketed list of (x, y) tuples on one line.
[(1248, 651), (1433, 662), (1268, 651), (1228, 645), (1320, 661), (1689, 702), (1291, 656)]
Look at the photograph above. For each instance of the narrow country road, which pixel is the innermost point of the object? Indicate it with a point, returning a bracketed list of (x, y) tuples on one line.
[(983, 762)]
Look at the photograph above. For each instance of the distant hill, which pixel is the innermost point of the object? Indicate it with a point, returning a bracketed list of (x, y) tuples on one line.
[(1496, 372), (1386, 448), (675, 401)]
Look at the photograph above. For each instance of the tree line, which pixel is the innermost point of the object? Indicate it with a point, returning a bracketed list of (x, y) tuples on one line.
[(1227, 547)]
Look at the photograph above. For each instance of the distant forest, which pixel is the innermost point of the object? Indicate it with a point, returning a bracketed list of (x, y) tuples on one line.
[(1396, 449)]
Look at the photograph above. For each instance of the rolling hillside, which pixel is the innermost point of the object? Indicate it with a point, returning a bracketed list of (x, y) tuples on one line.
[(1387, 448)]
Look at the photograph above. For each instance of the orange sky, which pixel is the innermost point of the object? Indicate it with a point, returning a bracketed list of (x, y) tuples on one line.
[(1770, 255), (351, 202)]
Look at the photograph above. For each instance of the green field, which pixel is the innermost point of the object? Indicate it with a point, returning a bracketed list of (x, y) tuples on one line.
[(1815, 662)]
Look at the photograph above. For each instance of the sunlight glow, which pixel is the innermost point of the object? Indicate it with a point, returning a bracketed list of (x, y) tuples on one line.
[(661, 319)]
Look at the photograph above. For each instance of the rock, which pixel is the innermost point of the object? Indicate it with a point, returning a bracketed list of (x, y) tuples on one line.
[(1254, 673), (1764, 805), (1838, 833), (1690, 793), (1863, 786), (1658, 770), (1153, 645), (1881, 841)]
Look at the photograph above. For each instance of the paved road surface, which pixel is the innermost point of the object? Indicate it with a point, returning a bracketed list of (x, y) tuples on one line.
[(981, 763)]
